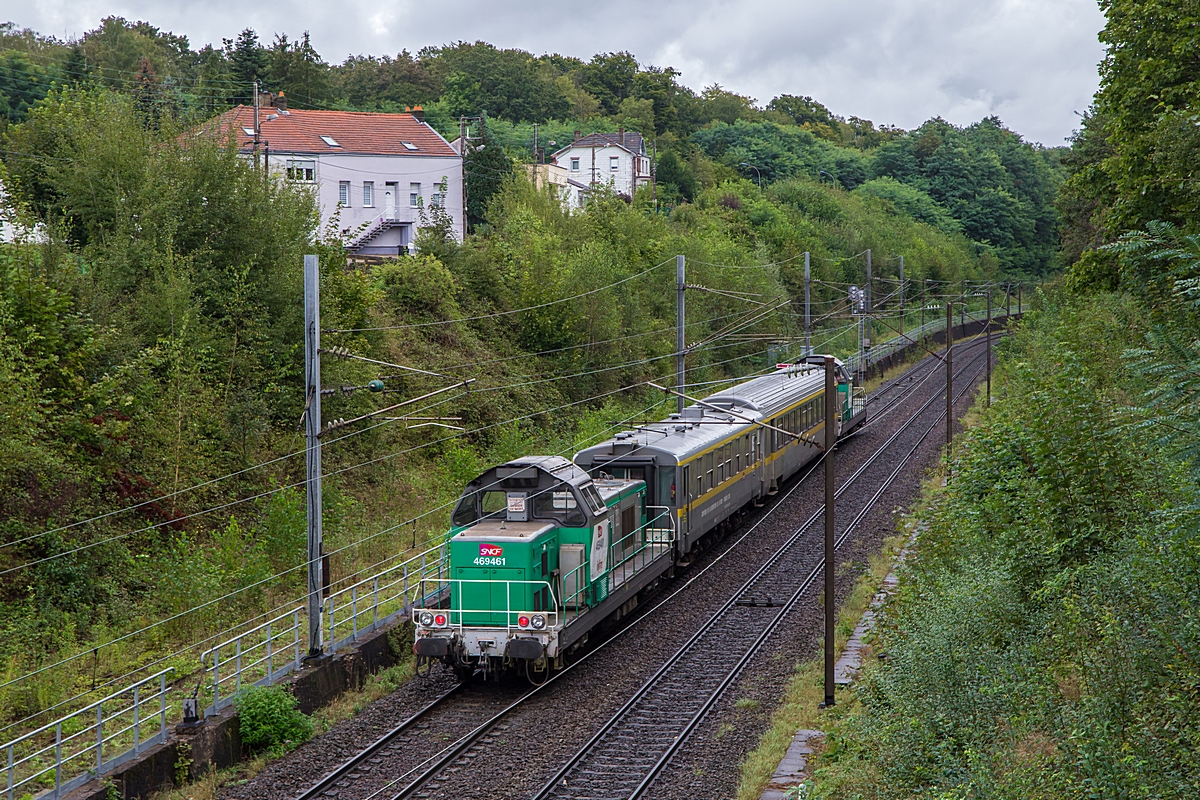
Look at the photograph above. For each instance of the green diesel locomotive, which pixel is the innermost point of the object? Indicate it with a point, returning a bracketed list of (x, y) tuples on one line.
[(541, 550)]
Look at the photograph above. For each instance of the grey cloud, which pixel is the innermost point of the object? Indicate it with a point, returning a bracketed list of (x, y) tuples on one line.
[(1032, 62)]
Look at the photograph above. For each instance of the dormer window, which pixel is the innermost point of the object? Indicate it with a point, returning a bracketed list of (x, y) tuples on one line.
[(409, 146), (329, 140)]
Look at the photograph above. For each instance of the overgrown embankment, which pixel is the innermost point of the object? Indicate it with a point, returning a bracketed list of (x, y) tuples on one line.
[(1045, 642), (151, 362)]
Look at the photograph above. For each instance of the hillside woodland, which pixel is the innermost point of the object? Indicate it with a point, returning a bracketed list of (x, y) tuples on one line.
[(1045, 642), (151, 310)]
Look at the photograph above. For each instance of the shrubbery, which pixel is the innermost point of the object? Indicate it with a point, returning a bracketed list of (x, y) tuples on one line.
[(1045, 643), (268, 718)]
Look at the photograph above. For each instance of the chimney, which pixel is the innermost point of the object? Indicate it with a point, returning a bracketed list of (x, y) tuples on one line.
[(266, 100), (621, 134), (418, 113), (578, 135), (279, 101)]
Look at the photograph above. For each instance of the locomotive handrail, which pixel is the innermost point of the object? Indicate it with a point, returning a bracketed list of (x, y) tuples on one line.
[(511, 615)]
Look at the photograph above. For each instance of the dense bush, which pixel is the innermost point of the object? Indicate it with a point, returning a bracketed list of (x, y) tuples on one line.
[(1045, 643), (268, 717)]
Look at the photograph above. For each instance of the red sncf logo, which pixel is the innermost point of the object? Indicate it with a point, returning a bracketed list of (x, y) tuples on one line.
[(490, 550)]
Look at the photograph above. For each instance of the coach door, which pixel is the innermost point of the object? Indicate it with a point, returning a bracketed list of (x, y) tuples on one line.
[(761, 466), (686, 499)]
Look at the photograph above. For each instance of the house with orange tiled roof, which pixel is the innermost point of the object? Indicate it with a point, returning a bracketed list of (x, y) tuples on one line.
[(376, 172)]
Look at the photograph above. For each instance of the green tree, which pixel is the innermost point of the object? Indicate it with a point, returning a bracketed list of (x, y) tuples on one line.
[(248, 62), (297, 69), (610, 78), (486, 168), (511, 84)]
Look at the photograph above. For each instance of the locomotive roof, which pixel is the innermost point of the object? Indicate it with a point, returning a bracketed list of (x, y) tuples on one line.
[(698, 428)]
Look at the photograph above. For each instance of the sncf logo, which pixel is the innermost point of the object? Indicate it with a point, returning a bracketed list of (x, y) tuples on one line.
[(490, 550)]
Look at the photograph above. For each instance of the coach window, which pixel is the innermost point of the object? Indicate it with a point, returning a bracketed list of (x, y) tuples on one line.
[(708, 471)]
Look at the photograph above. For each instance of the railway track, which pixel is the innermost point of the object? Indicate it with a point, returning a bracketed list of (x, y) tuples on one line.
[(407, 760), (628, 753)]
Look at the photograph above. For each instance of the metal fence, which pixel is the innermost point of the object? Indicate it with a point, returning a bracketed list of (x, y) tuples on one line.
[(256, 657), (65, 754), (365, 606), (896, 343)]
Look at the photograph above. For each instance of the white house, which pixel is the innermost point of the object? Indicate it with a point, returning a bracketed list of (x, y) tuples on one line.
[(616, 159), (376, 171)]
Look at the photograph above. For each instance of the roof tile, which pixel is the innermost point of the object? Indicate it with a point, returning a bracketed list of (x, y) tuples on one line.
[(300, 131)]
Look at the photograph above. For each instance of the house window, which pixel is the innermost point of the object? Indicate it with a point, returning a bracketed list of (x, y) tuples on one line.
[(614, 163), (344, 194), (368, 194), (305, 171), (574, 165), (329, 140), (435, 199), (414, 194)]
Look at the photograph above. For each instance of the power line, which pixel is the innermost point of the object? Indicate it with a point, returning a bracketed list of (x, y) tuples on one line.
[(500, 313)]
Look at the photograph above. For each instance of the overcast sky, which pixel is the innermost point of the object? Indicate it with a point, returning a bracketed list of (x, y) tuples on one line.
[(1031, 62)]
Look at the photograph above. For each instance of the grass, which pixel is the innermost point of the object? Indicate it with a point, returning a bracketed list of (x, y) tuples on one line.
[(805, 690)]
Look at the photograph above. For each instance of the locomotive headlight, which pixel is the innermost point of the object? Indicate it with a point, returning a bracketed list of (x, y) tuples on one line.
[(538, 622), (426, 619)]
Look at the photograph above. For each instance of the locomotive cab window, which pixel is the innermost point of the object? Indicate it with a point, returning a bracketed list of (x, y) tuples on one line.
[(495, 504), (465, 512), (559, 505)]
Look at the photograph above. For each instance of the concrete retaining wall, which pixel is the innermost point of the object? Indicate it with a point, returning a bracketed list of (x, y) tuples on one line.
[(188, 753)]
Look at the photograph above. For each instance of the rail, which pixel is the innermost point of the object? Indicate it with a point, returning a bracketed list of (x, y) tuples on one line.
[(68, 752), (649, 543), (891, 346)]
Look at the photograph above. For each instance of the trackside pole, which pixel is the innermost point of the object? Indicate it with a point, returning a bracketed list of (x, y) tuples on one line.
[(988, 346), (679, 337), (807, 306), (831, 413), (949, 376), (312, 434)]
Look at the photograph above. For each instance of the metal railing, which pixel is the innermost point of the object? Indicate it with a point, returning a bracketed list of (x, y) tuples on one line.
[(375, 601), (68, 752), (899, 342), (252, 657), (650, 542)]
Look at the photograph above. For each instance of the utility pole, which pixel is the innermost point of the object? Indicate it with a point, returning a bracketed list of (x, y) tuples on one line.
[(1007, 301), (867, 315), (1018, 299), (949, 376), (462, 157), (902, 294), (962, 311), (831, 412), (535, 153), (679, 337), (807, 306), (924, 299), (256, 125), (988, 346), (312, 441)]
